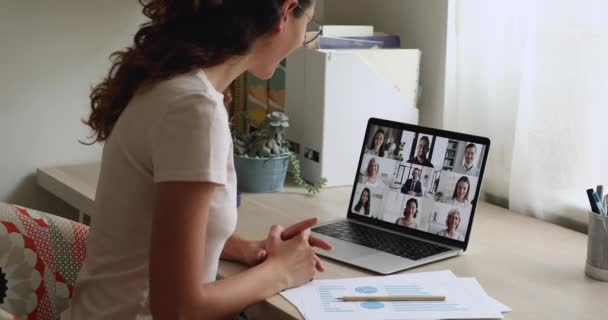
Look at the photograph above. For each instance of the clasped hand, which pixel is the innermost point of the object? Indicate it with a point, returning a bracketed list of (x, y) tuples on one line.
[(296, 237)]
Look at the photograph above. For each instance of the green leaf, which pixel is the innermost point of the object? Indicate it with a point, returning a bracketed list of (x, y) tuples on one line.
[(295, 171)]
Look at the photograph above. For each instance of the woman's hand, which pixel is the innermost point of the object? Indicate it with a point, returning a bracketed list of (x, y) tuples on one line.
[(255, 251), (294, 259)]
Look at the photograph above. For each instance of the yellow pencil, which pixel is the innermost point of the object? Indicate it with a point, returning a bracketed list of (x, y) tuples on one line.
[(393, 298)]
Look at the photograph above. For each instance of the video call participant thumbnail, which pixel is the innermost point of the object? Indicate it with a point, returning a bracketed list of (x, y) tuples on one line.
[(409, 214), (422, 152)]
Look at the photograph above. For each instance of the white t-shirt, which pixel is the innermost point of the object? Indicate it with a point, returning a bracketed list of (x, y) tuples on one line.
[(372, 152), (460, 168), (364, 179), (455, 202), (457, 235), (176, 130)]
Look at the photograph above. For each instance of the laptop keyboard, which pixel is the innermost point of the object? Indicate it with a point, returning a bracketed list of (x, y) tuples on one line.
[(380, 240)]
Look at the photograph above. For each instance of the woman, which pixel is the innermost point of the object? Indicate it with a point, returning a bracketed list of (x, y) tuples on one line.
[(409, 214), (371, 173), (363, 202), (460, 197), (377, 146), (165, 209), (453, 221)]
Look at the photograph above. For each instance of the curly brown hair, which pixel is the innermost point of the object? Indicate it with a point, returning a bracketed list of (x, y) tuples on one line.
[(182, 35)]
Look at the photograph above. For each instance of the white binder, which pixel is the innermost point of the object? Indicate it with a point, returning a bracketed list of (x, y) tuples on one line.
[(330, 95)]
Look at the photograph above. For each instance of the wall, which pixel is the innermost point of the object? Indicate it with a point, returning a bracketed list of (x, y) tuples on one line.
[(51, 53), (320, 10), (422, 24)]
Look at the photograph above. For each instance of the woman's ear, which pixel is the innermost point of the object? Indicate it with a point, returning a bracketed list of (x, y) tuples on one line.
[(282, 23), (289, 6), (287, 9)]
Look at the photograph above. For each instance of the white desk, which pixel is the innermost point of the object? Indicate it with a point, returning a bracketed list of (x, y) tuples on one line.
[(535, 267), (75, 185)]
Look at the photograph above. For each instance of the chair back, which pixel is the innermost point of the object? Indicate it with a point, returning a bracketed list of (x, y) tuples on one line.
[(40, 257)]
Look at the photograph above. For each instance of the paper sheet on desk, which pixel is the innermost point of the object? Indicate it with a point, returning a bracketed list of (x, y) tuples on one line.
[(297, 296), (476, 287), (465, 298)]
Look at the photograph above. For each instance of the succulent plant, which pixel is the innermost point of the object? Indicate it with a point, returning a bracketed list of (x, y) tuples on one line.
[(268, 141)]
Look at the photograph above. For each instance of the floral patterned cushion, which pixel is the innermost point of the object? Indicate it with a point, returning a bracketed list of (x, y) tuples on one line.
[(40, 256)]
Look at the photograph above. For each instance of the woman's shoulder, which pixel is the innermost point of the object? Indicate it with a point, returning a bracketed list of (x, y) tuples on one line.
[(190, 88), (372, 152)]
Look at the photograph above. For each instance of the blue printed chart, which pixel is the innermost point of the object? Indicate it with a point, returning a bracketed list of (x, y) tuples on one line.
[(366, 289), (320, 299), (327, 305), (330, 302), (372, 305)]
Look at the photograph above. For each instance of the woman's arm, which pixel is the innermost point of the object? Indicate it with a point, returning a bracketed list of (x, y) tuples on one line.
[(177, 254)]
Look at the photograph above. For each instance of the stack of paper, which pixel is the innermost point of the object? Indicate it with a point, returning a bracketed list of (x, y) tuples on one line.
[(353, 37), (465, 298), (348, 31)]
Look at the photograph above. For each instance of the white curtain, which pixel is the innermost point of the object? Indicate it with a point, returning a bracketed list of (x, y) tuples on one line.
[(533, 76)]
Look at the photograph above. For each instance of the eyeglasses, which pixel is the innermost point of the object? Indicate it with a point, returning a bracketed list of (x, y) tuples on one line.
[(314, 28)]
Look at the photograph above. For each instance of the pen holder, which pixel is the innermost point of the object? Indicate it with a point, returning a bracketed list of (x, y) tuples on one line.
[(597, 247)]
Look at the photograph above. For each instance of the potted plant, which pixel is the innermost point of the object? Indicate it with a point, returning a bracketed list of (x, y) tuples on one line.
[(262, 158)]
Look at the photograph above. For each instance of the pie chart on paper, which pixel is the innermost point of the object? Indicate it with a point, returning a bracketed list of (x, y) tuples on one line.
[(372, 305), (366, 289)]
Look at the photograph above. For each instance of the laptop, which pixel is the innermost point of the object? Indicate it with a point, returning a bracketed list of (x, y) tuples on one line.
[(413, 199)]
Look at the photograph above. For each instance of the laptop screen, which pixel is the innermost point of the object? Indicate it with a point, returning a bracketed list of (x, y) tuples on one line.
[(419, 179)]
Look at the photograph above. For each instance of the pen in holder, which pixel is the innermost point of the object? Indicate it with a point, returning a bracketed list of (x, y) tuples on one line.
[(597, 247)]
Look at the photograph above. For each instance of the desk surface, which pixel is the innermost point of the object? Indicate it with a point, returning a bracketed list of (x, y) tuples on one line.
[(534, 267), (75, 184)]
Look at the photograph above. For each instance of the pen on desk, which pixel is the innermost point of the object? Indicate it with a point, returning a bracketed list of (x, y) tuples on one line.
[(393, 298), (600, 191)]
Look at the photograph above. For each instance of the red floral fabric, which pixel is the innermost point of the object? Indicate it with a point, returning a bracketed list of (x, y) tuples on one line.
[(40, 256)]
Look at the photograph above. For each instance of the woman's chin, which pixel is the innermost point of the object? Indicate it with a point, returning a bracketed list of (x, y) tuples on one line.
[(264, 73)]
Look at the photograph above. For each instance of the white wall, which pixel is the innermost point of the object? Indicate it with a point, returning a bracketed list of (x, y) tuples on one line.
[(51, 53), (422, 24), (320, 10)]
